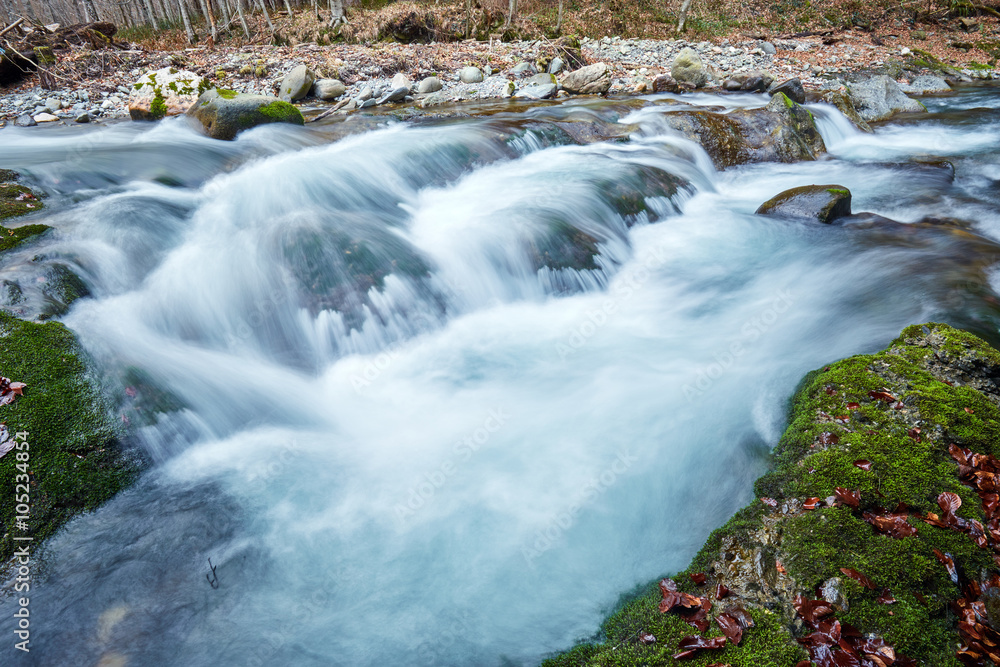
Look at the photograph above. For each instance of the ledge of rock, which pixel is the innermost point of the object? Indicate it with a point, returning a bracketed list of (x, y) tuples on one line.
[(225, 113), (872, 540), (823, 203), (783, 131), (880, 97)]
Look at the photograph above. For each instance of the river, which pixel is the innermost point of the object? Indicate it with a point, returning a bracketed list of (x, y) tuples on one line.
[(408, 417)]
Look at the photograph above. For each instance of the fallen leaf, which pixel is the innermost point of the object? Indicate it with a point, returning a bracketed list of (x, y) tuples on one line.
[(914, 433), (893, 525), (731, 628), (827, 438), (721, 591), (779, 567), (853, 406), (864, 464), (698, 578), (646, 638), (885, 597), (949, 564), (882, 396), (667, 586), (848, 497), (970, 411), (949, 502), (811, 503), (858, 577), (770, 502)]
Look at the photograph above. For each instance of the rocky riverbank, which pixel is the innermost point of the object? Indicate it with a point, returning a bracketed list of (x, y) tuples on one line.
[(873, 540)]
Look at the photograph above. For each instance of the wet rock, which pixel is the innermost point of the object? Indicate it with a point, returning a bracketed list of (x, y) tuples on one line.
[(792, 88), (540, 80), (165, 92), (824, 203), (24, 120), (665, 83), (431, 84), (780, 132), (731, 85), (395, 95), (881, 97), (689, 68), (470, 75), (590, 80), (541, 91), (297, 84), (328, 89), (757, 82), (846, 107), (225, 113), (832, 591), (82, 118)]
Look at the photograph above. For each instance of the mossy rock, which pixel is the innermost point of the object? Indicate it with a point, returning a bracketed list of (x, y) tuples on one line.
[(17, 200), (823, 203), (75, 459), (226, 113), (945, 383)]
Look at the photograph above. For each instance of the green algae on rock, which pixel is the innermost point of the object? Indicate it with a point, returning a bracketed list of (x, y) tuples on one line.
[(17, 200), (879, 425), (76, 459)]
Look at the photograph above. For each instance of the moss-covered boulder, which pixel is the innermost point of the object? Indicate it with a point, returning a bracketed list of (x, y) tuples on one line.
[(782, 131), (688, 68), (874, 512), (226, 113), (165, 92), (74, 461), (823, 203), (17, 200)]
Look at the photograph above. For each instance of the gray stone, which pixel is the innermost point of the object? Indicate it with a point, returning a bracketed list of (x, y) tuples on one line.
[(24, 120), (225, 114), (832, 592), (297, 83), (366, 93), (768, 48), (792, 88), (556, 65), (328, 89), (400, 80), (925, 84), (689, 68), (540, 80), (521, 68), (395, 95), (370, 102), (165, 92), (45, 118), (539, 91), (431, 84), (590, 80), (470, 75), (53, 104), (83, 118), (823, 203), (665, 83), (880, 97)]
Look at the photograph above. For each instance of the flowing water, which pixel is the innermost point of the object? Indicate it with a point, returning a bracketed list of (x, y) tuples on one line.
[(410, 419)]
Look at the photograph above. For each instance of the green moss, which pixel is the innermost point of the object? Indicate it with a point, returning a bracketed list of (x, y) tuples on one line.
[(226, 94), (17, 200), (158, 107), (75, 460), (11, 238), (280, 110), (838, 191)]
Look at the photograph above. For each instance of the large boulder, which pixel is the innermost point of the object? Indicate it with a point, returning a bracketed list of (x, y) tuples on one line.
[(824, 203), (226, 113), (297, 83), (688, 68), (470, 75), (165, 92), (783, 131), (926, 83), (590, 80), (431, 84), (844, 105), (880, 97)]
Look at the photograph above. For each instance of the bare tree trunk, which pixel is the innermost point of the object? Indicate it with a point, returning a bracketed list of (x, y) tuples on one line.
[(684, 14), (88, 7), (206, 10), (337, 16), (511, 13), (150, 14), (227, 17), (243, 19), (288, 7), (559, 19), (267, 16), (187, 22)]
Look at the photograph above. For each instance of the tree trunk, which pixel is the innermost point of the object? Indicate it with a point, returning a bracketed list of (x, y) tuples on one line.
[(267, 16), (88, 7), (150, 14), (684, 14), (187, 22), (243, 19), (511, 14), (206, 9), (560, 17), (337, 16)]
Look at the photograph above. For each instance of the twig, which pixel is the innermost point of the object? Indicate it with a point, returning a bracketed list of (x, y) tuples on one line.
[(11, 26)]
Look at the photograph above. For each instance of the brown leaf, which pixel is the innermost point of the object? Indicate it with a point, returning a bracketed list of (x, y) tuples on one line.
[(848, 497), (882, 396), (695, 642), (858, 577), (914, 433), (667, 586), (770, 502), (721, 591), (949, 502), (740, 614), (779, 567), (812, 610), (812, 503), (949, 564), (885, 597), (853, 406), (827, 438), (959, 454), (970, 411), (698, 578), (731, 628), (893, 525), (864, 464), (646, 638)]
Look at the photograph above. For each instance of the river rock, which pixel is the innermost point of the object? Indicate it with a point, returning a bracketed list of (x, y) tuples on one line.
[(400, 80), (792, 88), (846, 107), (431, 84), (782, 131), (45, 117), (540, 91), (24, 120), (470, 75), (540, 80), (523, 67), (297, 83), (590, 80), (926, 83), (395, 95), (665, 83), (556, 65), (328, 89), (880, 97), (165, 92), (689, 68), (82, 118), (768, 48), (225, 113), (824, 203)]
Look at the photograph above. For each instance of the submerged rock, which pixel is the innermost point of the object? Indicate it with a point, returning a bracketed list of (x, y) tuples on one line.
[(823, 203), (226, 113), (880, 97), (165, 92), (688, 68), (780, 132), (590, 80), (851, 525)]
